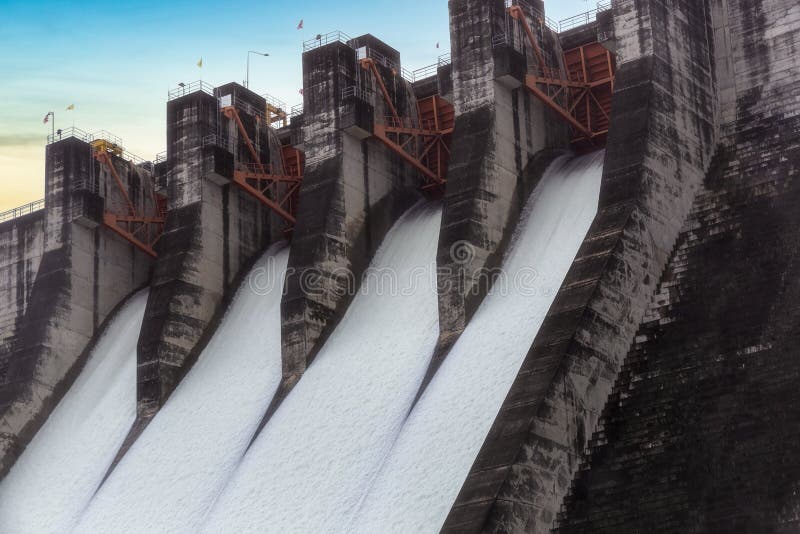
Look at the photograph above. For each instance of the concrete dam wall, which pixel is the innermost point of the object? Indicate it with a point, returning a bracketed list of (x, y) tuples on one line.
[(338, 333)]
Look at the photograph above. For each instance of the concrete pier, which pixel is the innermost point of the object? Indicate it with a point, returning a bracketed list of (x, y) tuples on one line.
[(214, 232), (354, 189), (662, 137), (500, 128), (70, 277)]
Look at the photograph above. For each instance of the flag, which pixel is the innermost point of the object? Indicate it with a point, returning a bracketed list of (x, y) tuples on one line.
[(46, 118), (200, 63), (300, 26), (302, 92), (437, 44), (70, 107)]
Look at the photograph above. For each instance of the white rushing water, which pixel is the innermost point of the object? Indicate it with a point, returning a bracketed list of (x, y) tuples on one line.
[(310, 466), (347, 451), (174, 471), (65, 462), (443, 434)]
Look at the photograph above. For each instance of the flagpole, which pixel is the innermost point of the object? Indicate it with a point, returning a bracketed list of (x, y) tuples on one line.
[(53, 126)]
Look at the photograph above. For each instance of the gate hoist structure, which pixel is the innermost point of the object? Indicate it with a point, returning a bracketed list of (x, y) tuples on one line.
[(582, 94), (136, 226), (279, 192), (424, 143)]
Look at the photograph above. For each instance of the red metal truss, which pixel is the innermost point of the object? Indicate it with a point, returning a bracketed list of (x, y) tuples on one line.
[(279, 192), (582, 94), (423, 142), (142, 230)]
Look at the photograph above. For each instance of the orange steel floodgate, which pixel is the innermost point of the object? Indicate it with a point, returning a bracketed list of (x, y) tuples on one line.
[(279, 192), (140, 229), (424, 141), (582, 94)]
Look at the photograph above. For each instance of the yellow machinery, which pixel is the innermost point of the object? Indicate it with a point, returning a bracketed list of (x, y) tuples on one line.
[(101, 145), (276, 114)]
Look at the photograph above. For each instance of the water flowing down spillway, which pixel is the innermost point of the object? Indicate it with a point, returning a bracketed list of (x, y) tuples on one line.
[(310, 466), (168, 479), (347, 450), (63, 465), (424, 472)]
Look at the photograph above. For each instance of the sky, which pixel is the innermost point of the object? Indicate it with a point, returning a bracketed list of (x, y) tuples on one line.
[(116, 62)]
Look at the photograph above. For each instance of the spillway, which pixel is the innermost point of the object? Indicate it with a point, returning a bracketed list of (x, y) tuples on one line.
[(347, 450), (314, 460), (433, 454), (175, 469), (62, 467)]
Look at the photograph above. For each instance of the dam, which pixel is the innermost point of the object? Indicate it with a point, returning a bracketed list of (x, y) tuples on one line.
[(546, 284)]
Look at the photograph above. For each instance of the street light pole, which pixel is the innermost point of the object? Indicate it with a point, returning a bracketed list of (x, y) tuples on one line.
[(247, 79)]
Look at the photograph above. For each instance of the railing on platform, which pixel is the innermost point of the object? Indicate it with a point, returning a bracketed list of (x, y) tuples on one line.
[(499, 39), (246, 107), (220, 141), (296, 111), (427, 71), (66, 133), (277, 104), (564, 24), (101, 135), (583, 18), (184, 89), (355, 91), (380, 59), (22, 210), (327, 38)]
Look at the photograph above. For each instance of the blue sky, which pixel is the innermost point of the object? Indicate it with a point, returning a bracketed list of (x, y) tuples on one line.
[(116, 62)]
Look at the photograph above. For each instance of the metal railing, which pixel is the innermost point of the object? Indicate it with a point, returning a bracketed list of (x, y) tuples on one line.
[(184, 89), (241, 105), (380, 59), (355, 91), (499, 39), (101, 135), (296, 111), (66, 133), (104, 135), (276, 104), (421, 73), (219, 141), (327, 38), (563, 24), (22, 210), (427, 71), (583, 18)]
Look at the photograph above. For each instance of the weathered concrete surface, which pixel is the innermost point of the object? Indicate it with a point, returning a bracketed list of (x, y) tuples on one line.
[(499, 127), (353, 190), (661, 142), (21, 247), (85, 271), (213, 234), (701, 432)]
